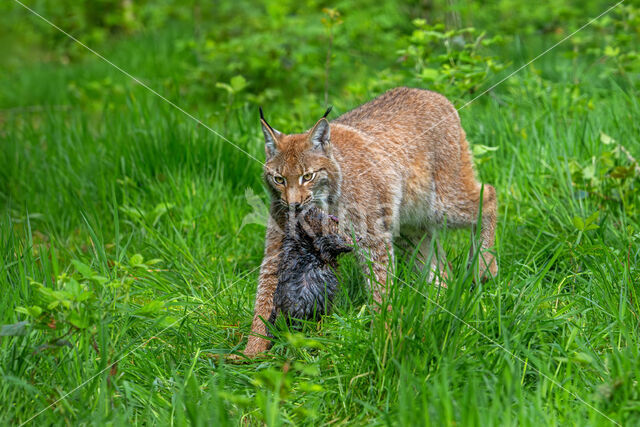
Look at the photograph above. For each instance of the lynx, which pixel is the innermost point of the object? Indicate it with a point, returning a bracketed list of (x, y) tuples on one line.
[(398, 165)]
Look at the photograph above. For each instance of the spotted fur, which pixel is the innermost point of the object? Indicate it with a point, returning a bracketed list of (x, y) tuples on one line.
[(397, 165)]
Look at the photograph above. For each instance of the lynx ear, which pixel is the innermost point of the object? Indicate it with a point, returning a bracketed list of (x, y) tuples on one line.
[(320, 134), (270, 136)]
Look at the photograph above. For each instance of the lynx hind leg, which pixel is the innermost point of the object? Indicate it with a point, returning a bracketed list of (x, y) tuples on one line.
[(463, 210), (459, 194), (486, 257)]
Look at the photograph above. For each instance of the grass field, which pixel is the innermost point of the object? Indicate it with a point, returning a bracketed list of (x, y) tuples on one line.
[(125, 272)]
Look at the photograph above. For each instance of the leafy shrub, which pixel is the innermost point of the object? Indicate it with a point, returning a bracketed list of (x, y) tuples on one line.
[(613, 41), (611, 178), (68, 311), (452, 62)]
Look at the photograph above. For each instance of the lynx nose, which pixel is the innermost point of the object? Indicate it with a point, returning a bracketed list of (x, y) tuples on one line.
[(295, 206)]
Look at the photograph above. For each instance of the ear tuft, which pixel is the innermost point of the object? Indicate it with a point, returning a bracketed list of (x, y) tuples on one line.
[(320, 134), (326, 113), (270, 136)]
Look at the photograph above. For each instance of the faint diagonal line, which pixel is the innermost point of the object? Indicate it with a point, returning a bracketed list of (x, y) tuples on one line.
[(137, 347), (138, 81), (502, 347), (141, 83), (393, 153), (492, 341), (544, 53), (252, 157)]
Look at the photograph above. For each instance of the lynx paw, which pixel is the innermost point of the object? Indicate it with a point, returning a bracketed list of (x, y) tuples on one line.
[(488, 266)]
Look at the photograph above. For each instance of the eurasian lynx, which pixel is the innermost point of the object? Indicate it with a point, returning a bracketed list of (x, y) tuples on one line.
[(398, 165)]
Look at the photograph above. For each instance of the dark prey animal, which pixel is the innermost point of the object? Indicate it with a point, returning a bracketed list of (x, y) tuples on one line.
[(306, 276)]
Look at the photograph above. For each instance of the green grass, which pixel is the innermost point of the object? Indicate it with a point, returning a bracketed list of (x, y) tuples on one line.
[(91, 177)]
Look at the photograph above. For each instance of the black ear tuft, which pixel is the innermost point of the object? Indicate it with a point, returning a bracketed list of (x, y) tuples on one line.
[(270, 136), (327, 112), (265, 121)]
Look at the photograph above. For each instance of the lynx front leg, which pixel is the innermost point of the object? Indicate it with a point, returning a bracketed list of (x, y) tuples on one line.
[(267, 284), (378, 259)]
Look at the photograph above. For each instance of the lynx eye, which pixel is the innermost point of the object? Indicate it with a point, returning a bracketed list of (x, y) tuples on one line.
[(278, 179), (308, 176)]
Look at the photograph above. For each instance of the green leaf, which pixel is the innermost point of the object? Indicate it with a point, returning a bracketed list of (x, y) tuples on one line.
[(583, 357), (169, 321), (429, 74), (99, 279), (312, 369), (585, 224), (592, 217), (309, 387), (260, 214), (14, 329), (419, 22), (73, 287), (136, 260), (83, 269), (132, 212), (158, 211), (78, 320), (224, 86), (479, 150), (33, 311), (589, 172), (611, 51), (238, 83), (150, 308), (606, 139), (298, 340)]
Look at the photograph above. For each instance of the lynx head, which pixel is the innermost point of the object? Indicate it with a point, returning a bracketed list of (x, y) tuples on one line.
[(300, 168)]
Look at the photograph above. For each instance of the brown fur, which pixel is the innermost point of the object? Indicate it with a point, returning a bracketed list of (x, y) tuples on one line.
[(398, 165)]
